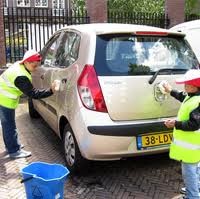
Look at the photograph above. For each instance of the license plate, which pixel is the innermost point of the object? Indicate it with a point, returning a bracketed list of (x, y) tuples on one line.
[(151, 140)]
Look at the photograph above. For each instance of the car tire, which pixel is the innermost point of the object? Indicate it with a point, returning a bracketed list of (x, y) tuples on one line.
[(32, 112), (74, 160)]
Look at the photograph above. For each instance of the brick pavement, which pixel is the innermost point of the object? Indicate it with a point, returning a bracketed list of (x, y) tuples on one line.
[(150, 177)]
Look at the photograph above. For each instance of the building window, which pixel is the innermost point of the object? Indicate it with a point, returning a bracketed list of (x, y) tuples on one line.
[(23, 3), (58, 7), (58, 4), (41, 3), (5, 3)]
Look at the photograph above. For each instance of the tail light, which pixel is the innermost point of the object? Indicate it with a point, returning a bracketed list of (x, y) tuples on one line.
[(90, 91)]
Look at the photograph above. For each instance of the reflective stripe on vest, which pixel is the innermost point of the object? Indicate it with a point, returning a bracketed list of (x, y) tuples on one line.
[(186, 144), (8, 94), (7, 81)]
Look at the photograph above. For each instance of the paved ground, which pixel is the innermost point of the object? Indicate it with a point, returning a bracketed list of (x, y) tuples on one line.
[(152, 177)]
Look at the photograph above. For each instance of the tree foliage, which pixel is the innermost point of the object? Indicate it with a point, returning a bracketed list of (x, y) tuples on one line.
[(77, 4), (153, 6), (190, 6), (150, 6)]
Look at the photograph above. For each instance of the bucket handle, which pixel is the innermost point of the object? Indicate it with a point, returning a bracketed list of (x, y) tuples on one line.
[(27, 179)]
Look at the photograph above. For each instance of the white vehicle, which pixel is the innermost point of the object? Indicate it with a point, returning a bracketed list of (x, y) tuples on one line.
[(109, 104), (192, 31)]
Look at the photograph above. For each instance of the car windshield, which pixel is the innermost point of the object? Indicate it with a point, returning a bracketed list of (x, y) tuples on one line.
[(141, 55)]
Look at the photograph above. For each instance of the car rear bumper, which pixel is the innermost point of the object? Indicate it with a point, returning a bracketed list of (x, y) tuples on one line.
[(128, 130), (100, 138), (98, 147), (117, 142)]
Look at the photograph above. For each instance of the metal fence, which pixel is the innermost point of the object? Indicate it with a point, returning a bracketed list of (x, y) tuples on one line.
[(151, 19), (191, 17), (30, 28)]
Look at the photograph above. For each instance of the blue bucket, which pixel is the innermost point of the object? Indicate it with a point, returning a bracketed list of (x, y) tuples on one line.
[(44, 180)]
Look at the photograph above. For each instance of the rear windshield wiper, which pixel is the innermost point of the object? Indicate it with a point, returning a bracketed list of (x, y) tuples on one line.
[(152, 79)]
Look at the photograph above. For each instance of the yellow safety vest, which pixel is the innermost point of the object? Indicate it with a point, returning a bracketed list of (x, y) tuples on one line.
[(9, 93), (186, 144)]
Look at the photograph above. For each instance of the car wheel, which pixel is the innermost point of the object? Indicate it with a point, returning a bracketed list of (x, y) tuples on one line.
[(74, 160), (32, 112)]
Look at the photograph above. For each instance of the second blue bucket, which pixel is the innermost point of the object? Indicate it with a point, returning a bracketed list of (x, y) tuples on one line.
[(44, 181)]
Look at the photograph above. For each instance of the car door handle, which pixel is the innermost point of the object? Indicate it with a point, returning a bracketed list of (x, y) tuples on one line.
[(42, 77), (64, 80)]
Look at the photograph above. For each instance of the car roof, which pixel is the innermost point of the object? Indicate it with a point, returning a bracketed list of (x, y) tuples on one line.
[(195, 24), (103, 28)]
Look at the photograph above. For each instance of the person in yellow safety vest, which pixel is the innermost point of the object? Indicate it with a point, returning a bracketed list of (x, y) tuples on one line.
[(15, 81), (185, 146)]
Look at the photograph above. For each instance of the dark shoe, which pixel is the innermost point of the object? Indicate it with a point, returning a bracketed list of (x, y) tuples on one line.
[(20, 154)]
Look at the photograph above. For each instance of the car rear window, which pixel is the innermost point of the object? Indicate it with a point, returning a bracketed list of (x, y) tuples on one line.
[(127, 54)]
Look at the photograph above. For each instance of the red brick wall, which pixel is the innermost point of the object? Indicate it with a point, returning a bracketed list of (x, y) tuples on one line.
[(175, 11), (97, 10), (2, 46)]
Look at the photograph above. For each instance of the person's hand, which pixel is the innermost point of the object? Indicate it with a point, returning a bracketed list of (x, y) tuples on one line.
[(170, 123), (167, 87), (53, 86)]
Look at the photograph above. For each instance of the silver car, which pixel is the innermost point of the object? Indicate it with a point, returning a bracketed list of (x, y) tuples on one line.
[(109, 104)]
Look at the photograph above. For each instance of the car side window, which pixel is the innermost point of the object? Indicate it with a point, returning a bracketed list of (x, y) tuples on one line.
[(67, 52), (49, 54)]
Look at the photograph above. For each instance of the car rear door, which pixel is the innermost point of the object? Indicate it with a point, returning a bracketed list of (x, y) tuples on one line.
[(66, 68), (42, 79), (59, 63), (125, 65)]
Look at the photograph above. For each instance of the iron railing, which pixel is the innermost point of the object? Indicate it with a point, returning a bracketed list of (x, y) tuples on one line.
[(191, 17), (30, 28)]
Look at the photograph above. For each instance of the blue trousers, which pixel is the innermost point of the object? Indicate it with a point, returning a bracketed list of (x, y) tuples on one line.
[(191, 177), (9, 130)]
